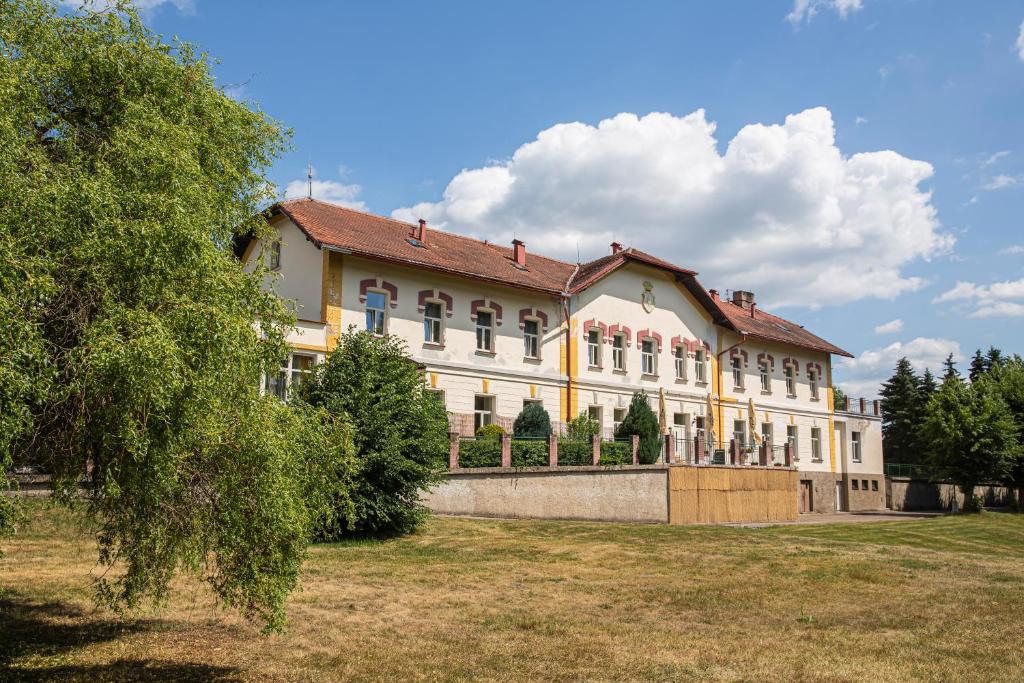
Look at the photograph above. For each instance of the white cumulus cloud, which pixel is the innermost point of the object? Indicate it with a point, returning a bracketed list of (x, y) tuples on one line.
[(864, 375), (328, 191), (891, 327), (997, 300), (782, 211), (804, 10), (1020, 42), (144, 6), (1003, 180)]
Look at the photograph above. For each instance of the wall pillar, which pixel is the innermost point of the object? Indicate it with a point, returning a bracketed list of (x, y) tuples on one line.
[(552, 450), (634, 442), (595, 447), (506, 450), (699, 457), (788, 454), (670, 448), (734, 451), (453, 451)]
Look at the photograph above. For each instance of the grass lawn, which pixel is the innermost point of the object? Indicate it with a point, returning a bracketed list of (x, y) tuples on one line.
[(938, 599)]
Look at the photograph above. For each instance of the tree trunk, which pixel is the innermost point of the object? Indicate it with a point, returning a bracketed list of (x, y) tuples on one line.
[(968, 491)]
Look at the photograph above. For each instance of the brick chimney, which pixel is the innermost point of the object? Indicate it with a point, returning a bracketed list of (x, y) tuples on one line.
[(420, 233), (714, 294), (743, 298), (616, 247), (519, 252)]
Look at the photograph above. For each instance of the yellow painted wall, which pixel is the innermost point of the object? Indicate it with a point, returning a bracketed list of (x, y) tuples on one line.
[(331, 297)]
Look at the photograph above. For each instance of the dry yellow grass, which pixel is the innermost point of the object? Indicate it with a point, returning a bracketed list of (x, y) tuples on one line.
[(937, 599)]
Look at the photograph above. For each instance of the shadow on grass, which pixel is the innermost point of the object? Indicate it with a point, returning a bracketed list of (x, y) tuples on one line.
[(32, 631)]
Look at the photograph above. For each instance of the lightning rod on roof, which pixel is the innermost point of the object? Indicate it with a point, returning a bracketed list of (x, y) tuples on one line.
[(309, 178)]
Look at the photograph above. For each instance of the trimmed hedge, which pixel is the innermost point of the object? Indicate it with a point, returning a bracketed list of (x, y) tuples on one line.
[(616, 453), (574, 452), (480, 452), (529, 452)]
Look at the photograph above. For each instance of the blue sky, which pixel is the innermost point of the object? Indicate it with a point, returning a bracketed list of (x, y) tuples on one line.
[(392, 101)]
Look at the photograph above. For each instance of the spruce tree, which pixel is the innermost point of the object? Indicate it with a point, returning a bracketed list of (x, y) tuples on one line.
[(951, 371), (642, 421), (978, 366), (993, 359), (533, 421), (901, 411)]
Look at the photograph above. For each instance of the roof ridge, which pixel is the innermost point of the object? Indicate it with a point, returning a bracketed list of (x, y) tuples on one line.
[(410, 225)]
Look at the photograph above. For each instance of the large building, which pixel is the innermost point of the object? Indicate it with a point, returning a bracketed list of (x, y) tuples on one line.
[(496, 327)]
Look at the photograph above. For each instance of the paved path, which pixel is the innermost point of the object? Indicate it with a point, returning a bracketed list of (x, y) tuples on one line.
[(853, 517)]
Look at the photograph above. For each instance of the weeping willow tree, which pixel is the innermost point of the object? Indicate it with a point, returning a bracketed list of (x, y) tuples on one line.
[(132, 341)]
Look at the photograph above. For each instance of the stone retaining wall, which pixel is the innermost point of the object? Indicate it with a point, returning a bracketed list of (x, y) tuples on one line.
[(906, 493)]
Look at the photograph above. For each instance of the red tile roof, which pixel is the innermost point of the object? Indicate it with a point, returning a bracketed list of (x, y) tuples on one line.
[(385, 239), (771, 327)]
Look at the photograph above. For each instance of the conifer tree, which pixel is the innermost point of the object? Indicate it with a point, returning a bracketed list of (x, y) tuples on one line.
[(901, 410), (642, 421), (951, 371), (993, 359), (978, 366), (532, 421)]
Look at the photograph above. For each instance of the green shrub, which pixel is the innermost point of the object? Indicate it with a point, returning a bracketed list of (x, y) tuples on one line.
[(481, 452), (491, 430), (529, 452), (641, 420), (575, 452), (616, 453), (533, 420), (582, 428)]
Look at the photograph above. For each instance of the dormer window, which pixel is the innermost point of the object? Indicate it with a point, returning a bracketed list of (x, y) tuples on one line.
[(376, 307), (594, 348), (274, 257), (619, 352), (485, 331), (433, 315)]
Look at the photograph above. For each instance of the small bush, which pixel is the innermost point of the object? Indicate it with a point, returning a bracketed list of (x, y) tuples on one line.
[(641, 420), (533, 420), (529, 452), (482, 452), (616, 453), (582, 428), (575, 452), (491, 430)]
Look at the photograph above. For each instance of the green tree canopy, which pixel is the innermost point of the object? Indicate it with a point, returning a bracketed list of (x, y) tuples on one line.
[(642, 421), (132, 339), (901, 414), (969, 435), (950, 371), (532, 421), (1010, 383), (400, 431), (979, 366)]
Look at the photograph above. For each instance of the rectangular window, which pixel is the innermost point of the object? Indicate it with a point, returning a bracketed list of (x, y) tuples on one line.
[(791, 438), (483, 411), (647, 357), (528, 401), (700, 366), (739, 431), (594, 348), (376, 303), (619, 352), (874, 484), (594, 413), (856, 487), (484, 331), (766, 378), (766, 432), (438, 395), (790, 381), (699, 426), (864, 484), (432, 323), (737, 372), (275, 255), (531, 339), (855, 446), (816, 444), (618, 415), (680, 362), (294, 370), (812, 378)]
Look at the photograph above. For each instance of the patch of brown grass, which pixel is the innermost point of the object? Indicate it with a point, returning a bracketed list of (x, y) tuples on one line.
[(487, 599)]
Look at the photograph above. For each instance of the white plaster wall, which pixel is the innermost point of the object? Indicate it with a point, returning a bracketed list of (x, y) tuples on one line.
[(299, 281)]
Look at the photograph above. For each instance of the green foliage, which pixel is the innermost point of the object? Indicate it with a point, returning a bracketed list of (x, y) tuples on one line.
[(838, 398), (970, 434), (1009, 381), (480, 452), (533, 420), (903, 405), (529, 452), (491, 431), (400, 432), (979, 366), (642, 421), (582, 428), (575, 452), (616, 453), (950, 371), (130, 337)]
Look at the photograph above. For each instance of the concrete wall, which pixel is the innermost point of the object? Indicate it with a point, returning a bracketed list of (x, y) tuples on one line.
[(622, 494), (905, 493), (869, 493), (704, 495)]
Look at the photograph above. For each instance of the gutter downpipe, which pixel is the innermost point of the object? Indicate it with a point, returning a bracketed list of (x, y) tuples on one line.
[(718, 362), (566, 313)]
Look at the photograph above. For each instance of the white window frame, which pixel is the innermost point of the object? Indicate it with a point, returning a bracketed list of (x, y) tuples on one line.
[(790, 373), (485, 332), (373, 313), (274, 257), (619, 352), (736, 364), (813, 380), (793, 439), (768, 432), (288, 374), (856, 453), (680, 362), (431, 322), (698, 426), (594, 340), (596, 412), (766, 376), (618, 415), (739, 432), (438, 392), (648, 359), (531, 340), (700, 364), (816, 444), (483, 416)]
